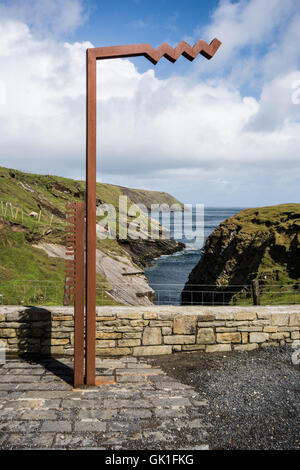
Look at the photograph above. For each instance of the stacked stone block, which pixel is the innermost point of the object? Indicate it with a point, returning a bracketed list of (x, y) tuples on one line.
[(142, 331)]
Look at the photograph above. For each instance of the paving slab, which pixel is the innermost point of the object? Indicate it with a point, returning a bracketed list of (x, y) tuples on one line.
[(142, 409)]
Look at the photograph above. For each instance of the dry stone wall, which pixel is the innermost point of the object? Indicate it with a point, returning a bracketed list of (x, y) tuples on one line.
[(141, 331)]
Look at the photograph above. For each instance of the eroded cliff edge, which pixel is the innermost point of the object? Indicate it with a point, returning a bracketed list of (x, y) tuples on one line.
[(32, 237), (260, 244)]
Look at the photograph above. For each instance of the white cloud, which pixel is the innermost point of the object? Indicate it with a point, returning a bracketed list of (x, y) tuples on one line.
[(44, 107), (246, 23), (197, 138), (45, 16), (277, 113), (284, 55), (258, 40)]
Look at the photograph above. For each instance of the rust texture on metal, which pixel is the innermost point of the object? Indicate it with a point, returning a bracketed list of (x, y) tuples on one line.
[(75, 281), (79, 297), (70, 253), (92, 55), (90, 219), (154, 55)]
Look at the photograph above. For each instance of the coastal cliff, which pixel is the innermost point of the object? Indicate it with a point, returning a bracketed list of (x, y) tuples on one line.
[(261, 244), (32, 238)]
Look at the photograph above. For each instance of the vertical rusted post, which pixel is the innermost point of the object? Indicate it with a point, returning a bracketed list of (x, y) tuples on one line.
[(74, 284), (79, 296), (90, 217), (255, 292)]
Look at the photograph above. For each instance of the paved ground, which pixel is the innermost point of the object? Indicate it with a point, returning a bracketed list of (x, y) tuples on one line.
[(137, 407), (229, 400)]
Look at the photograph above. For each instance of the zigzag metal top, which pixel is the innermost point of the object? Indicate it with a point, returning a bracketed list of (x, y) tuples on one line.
[(154, 55)]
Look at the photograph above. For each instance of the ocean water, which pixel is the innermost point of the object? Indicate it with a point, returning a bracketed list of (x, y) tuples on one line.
[(169, 273)]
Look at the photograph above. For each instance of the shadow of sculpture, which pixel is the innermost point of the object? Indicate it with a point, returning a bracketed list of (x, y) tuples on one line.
[(34, 337)]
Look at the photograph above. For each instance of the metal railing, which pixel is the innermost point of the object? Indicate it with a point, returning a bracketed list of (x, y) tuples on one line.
[(35, 292), (230, 294)]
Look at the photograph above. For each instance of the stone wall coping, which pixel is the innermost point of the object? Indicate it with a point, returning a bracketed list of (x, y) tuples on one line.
[(182, 310)]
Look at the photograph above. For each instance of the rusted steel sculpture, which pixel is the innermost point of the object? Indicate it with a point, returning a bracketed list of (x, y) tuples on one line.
[(92, 55), (74, 291)]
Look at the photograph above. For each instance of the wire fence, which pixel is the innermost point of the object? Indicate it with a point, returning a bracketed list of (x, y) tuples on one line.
[(34, 217), (230, 294), (31, 292), (35, 292)]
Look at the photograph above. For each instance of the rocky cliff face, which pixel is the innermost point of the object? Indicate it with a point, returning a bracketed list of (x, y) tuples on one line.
[(143, 252), (32, 238), (260, 244)]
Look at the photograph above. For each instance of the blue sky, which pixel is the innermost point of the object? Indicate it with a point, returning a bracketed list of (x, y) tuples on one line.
[(219, 132), (142, 20), (138, 21)]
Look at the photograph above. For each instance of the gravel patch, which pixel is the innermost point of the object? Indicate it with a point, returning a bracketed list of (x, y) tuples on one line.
[(252, 397)]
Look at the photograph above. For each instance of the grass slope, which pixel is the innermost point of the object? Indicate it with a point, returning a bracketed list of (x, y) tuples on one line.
[(262, 244), (142, 196), (279, 269), (22, 193)]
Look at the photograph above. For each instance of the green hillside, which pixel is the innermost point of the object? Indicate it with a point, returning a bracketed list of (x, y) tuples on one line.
[(257, 244), (22, 194), (141, 196)]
